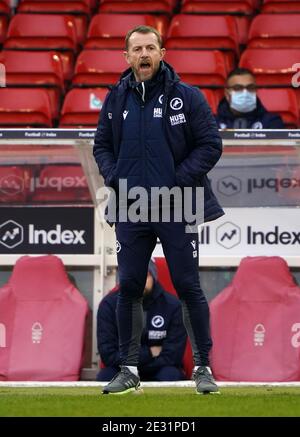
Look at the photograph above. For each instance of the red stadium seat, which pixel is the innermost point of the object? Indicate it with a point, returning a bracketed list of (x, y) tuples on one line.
[(5, 8), (35, 69), (44, 32), (108, 31), (282, 101), (202, 32), (205, 68), (24, 107), (242, 12), (90, 4), (166, 281), (244, 7), (98, 68), (212, 99), (3, 28), (61, 183), (255, 324), (271, 67), (137, 7), (42, 316), (81, 107), (275, 31), (280, 7), (79, 10), (253, 3), (14, 184)]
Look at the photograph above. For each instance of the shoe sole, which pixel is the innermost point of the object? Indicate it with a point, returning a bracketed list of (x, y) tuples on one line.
[(208, 392), (132, 390)]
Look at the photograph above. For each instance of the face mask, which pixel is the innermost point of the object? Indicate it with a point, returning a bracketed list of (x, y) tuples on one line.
[(243, 101)]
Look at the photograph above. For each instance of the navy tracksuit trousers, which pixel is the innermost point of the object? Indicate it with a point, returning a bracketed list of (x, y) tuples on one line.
[(136, 244)]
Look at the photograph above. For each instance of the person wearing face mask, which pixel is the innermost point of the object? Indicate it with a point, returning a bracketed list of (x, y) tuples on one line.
[(241, 108)]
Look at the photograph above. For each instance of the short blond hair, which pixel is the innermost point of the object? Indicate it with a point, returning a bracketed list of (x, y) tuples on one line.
[(143, 29)]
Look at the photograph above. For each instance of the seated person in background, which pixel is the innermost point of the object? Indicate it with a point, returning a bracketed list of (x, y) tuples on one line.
[(241, 108), (163, 339)]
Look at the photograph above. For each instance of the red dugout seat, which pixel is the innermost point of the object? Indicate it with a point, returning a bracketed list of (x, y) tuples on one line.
[(96, 68), (275, 31), (166, 281), (61, 183), (44, 32), (24, 107), (42, 316), (255, 324), (108, 31), (284, 102), (205, 68), (81, 107), (35, 69)]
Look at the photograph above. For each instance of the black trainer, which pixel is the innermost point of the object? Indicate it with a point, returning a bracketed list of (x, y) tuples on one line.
[(122, 383), (204, 380)]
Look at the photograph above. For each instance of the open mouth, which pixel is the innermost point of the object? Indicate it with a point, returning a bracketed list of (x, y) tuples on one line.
[(145, 65)]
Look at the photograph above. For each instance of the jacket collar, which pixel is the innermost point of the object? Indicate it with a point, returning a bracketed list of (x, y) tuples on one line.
[(165, 76), (157, 291)]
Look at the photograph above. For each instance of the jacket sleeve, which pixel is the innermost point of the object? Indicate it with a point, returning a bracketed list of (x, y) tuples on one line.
[(103, 145), (107, 333), (206, 147), (173, 345)]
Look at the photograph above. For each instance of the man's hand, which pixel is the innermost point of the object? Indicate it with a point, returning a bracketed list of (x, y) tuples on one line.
[(155, 350)]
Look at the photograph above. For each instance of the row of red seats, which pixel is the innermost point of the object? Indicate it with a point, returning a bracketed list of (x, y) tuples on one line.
[(240, 12), (81, 107), (201, 67), (48, 184), (185, 32), (205, 69), (50, 31)]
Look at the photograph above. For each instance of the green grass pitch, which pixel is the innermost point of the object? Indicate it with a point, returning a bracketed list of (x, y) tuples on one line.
[(154, 402)]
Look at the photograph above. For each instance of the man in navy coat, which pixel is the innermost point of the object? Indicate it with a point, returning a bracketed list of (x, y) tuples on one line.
[(157, 133)]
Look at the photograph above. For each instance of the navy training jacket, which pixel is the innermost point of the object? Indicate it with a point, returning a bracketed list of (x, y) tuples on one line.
[(163, 327), (191, 134)]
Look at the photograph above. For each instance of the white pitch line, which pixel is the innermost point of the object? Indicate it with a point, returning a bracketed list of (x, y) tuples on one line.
[(155, 384)]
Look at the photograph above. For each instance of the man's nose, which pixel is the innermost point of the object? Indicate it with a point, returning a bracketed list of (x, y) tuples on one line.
[(144, 52)]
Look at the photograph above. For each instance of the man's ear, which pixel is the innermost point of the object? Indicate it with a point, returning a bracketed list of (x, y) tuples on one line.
[(126, 57), (162, 52), (227, 95)]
